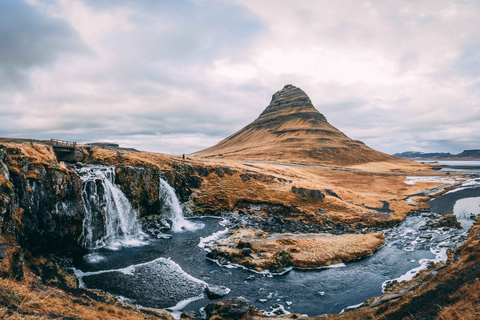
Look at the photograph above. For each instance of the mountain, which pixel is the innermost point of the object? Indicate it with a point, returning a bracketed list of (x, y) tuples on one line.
[(465, 155), (421, 155), (291, 130)]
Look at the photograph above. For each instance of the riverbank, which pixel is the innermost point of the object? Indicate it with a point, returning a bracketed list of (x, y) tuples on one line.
[(308, 198)]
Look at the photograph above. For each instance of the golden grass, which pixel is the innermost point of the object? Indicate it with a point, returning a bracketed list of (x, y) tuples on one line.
[(26, 300), (36, 153), (305, 250), (356, 189)]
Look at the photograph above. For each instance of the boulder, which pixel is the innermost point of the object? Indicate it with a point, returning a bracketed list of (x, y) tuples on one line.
[(216, 292), (233, 308)]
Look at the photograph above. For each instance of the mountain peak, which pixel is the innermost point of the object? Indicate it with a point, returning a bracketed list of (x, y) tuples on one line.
[(290, 100), (290, 129)]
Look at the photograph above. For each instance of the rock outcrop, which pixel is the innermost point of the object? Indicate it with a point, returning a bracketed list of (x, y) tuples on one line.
[(235, 308), (48, 205), (291, 130), (260, 251), (140, 185)]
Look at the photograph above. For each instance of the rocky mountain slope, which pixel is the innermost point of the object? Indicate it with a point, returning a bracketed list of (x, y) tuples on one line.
[(291, 130)]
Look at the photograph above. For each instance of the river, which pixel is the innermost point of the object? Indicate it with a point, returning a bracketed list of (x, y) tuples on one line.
[(172, 273)]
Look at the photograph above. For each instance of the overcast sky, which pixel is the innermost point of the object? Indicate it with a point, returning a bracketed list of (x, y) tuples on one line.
[(176, 76)]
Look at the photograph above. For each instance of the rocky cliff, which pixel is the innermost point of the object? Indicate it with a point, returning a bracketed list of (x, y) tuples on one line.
[(48, 210), (290, 129)]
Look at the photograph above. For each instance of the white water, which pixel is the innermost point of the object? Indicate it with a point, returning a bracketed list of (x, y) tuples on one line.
[(110, 219), (172, 209)]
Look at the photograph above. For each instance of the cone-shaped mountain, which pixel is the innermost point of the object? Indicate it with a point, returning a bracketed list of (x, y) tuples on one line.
[(291, 130)]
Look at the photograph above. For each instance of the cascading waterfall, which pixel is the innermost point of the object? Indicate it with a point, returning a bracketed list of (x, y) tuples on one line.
[(110, 219), (172, 209)]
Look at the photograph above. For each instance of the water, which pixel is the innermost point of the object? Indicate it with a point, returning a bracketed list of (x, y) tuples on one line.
[(110, 219), (172, 273), (466, 209), (329, 290)]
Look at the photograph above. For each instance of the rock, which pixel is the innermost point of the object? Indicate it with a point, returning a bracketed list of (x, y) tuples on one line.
[(140, 185), (50, 209), (216, 292), (315, 194), (246, 251), (427, 236), (278, 309), (233, 308), (190, 314), (430, 223), (251, 278), (282, 260)]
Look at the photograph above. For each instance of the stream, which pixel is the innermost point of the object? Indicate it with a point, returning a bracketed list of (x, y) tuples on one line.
[(173, 273)]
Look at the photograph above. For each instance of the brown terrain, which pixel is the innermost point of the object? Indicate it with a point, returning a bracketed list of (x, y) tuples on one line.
[(261, 251), (289, 164)]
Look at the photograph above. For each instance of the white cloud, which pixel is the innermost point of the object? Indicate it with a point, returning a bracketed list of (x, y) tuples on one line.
[(178, 76)]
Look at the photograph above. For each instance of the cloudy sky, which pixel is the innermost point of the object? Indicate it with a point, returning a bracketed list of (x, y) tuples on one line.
[(176, 76)]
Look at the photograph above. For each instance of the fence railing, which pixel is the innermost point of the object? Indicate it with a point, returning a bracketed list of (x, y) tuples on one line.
[(61, 143)]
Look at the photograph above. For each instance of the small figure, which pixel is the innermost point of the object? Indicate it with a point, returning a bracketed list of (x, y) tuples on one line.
[(184, 156)]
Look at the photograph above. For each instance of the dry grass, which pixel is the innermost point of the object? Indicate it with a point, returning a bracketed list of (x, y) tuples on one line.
[(26, 300), (304, 250), (356, 190), (36, 153), (103, 155), (467, 306)]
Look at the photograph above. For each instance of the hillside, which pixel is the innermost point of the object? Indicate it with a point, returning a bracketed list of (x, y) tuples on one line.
[(291, 130)]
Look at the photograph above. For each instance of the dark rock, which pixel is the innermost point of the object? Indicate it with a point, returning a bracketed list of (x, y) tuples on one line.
[(219, 172), (233, 308), (282, 261), (246, 251), (140, 185), (72, 155), (49, 205), (430, 223), (190, 314), (216, 292), (315, 194)]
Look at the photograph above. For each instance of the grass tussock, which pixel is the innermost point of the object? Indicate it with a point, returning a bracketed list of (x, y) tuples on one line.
[(26, 300), (467, 306), (37, 153)]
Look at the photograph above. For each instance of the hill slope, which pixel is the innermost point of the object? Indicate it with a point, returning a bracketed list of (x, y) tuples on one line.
[(291, 130)]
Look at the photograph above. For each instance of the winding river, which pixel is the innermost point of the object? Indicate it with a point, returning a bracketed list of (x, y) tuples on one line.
[(172, 273)]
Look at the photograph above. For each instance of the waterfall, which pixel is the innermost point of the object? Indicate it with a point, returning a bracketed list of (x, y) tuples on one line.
[(110, 219), (172, 209)]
